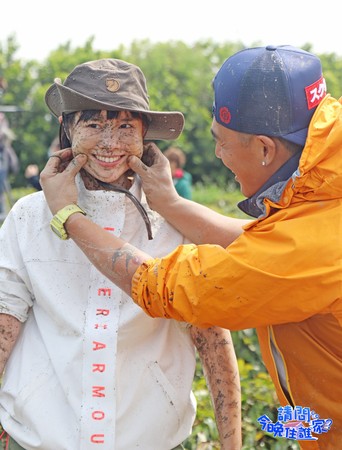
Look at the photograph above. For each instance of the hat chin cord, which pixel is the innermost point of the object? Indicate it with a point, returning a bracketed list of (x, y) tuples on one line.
[(135, 201)]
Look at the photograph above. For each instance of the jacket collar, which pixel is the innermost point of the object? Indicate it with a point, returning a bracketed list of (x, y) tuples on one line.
[(273, 188)]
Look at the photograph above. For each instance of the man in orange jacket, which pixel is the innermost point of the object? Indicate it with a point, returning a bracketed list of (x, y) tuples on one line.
[(280, 133)]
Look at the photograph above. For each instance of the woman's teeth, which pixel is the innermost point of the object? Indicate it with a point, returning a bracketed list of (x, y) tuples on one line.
[(108, 159)]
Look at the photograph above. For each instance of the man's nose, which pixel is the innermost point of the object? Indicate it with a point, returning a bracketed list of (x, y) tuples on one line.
[(218, 151)]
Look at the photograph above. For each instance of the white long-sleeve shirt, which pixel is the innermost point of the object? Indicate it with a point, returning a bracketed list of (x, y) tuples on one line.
[(89, 370)]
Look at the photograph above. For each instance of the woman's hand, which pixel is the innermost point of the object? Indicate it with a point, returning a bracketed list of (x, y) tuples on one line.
[(58, 179)]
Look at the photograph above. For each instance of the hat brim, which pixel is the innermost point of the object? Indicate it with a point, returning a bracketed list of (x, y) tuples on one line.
[(163, 125)]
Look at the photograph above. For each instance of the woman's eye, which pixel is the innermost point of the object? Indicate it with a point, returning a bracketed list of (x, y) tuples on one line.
[(93, 125), (126, 125)]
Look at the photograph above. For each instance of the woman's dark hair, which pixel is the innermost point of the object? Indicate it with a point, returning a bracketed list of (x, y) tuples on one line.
[(69, 119)]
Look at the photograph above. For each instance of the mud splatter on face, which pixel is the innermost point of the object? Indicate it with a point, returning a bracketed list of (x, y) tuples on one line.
[(108, 142)]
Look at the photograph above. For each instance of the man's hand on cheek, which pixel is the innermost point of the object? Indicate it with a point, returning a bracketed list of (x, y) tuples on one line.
[(155, 173), (58, 179)]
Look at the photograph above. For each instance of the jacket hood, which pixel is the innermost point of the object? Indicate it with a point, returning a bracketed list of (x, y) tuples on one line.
[(319, 174), (320, 166)]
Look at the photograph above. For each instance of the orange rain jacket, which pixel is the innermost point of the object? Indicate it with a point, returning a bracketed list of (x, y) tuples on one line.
[(283, 276)]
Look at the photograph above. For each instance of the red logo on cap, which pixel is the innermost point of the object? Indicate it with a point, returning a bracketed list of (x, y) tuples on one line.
[(315, 92), (225, 115)]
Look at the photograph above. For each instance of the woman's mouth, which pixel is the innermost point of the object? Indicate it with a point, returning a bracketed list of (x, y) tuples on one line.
[(107, 159)]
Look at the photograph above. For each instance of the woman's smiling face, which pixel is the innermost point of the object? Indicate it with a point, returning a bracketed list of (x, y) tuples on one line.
[(107, 138)]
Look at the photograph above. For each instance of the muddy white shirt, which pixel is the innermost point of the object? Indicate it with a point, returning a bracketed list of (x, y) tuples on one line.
[(90, 370)]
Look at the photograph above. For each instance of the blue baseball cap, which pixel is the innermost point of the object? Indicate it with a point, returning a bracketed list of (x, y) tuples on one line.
[(271, 90)]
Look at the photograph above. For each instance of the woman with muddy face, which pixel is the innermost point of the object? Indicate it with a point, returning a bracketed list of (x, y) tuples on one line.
[(108, 374), (108, 138)]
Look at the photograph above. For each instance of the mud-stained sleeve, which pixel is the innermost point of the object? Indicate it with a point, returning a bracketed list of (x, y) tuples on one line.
[(144, 293), (153, 281), (246, 285)]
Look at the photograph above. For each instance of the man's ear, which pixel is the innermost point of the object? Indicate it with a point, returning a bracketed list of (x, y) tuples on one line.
[(269, 149)]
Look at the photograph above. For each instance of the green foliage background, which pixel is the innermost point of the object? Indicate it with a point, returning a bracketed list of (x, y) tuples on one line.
[(179, 78)]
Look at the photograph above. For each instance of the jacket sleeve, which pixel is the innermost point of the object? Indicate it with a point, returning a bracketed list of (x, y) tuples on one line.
[(256, 281)]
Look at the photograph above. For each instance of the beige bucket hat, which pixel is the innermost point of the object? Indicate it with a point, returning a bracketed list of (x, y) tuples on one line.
[(113, 85)]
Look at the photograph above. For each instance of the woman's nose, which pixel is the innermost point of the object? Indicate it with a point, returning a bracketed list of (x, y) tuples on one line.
[(110, 139)]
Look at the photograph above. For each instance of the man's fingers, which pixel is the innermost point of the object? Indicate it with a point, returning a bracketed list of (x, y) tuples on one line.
[(76, 164), (63, 161), (57, 159), (151, 156), (137, 165)]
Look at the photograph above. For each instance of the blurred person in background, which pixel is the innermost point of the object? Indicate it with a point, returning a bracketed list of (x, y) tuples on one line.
[(9, 162), (32, 171), (182, 179)]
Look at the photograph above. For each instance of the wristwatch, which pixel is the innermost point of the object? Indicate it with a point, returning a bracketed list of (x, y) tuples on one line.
[(59, 219)]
